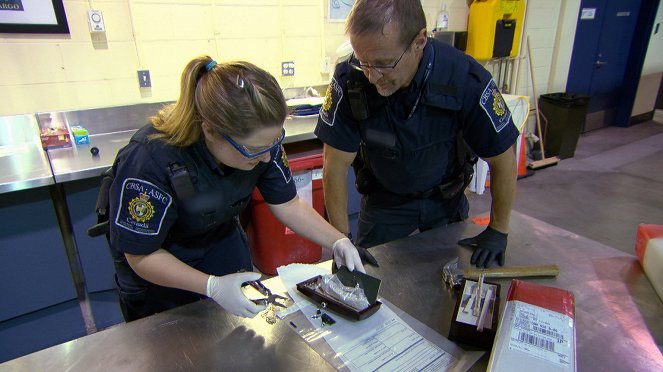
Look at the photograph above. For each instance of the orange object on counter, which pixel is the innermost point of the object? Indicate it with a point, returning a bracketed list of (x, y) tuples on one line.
[(649, 249)]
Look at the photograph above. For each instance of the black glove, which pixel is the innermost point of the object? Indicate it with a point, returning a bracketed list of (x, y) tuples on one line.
[(488, 246), (366, 256)]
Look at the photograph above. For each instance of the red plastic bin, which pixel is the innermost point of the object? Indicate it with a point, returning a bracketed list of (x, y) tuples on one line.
[(272, 243)]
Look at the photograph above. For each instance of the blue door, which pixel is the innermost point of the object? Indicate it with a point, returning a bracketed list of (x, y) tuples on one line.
[(601, 50)]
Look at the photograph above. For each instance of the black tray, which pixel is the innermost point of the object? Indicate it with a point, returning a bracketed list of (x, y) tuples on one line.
[(306, 288)]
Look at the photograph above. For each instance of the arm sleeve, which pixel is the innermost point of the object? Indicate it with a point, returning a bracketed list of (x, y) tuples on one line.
[(142, 205), (336, 127), (488, 127), (276, 184)]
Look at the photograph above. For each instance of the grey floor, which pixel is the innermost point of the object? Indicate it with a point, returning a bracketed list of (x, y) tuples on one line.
[(613, 183)]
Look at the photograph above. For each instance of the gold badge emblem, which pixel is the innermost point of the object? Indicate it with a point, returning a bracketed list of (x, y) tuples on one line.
[(140, 208), (326, 105), (284, 158), (499, 106)]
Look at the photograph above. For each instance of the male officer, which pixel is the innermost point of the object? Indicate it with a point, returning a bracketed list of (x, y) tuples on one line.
[(401, 110)]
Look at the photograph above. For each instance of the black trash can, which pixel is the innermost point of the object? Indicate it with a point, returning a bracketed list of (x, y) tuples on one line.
[(566, 116)]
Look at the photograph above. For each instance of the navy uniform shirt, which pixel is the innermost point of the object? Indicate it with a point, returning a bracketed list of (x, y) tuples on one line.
[(409, 137), (146, 212)]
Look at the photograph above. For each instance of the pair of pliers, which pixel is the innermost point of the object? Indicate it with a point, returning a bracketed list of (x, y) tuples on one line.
[(270, 299)]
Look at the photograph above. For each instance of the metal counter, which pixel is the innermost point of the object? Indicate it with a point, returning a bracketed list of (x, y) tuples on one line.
[(77, 162), (617, 311), (23, 162), (26, 165)]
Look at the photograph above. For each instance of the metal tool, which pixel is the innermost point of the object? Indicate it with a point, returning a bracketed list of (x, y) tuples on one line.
[(453, 275), (484, 309), (476, 309), (270, 299)]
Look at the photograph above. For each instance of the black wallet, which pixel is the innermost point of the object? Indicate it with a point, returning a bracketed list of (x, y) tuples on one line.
[(311, 289)]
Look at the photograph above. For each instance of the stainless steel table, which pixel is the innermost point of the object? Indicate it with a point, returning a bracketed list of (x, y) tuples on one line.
[(617, 311)]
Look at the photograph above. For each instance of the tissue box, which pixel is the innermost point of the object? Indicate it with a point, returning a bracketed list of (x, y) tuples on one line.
[(537, 330), (649, 249), (80, 135)]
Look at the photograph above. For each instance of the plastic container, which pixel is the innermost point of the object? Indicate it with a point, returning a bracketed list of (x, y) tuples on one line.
[(494, 28), (649, 249), (442, 23), (565, 113), (272, 243)]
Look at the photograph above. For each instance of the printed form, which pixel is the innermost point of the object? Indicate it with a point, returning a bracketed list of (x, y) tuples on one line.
[(382, 342), (392, 346)]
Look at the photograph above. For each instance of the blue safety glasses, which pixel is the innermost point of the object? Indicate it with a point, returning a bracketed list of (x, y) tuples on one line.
[(255, 151)]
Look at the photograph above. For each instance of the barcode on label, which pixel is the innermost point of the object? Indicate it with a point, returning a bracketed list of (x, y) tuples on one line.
[(549, 332), (536, 341)]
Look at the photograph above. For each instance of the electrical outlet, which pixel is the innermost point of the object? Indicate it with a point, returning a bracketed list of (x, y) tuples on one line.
[(288, 68), (144, 79)]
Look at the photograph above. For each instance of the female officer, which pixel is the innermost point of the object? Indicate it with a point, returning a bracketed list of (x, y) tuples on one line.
[(181, 182)]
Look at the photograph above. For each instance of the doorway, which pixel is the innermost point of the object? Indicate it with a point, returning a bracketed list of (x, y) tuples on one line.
[(608, 53)]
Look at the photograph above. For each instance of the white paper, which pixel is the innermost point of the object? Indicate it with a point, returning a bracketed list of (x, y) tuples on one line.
[(465, 312), (391, 345), (304, 184), (542, 333), (295, 273), (382, 341)]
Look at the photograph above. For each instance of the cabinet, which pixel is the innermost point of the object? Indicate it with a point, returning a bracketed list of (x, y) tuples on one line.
[(39, 303), (95, 257)]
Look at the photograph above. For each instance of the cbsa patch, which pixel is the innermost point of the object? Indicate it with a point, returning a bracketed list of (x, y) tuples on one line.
[(494, 106), (280, 159), (143, 207), (333, 97)]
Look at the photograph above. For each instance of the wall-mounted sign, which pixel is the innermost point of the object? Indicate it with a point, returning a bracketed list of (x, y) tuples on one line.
[(587, 13), (339, 9), (33, 16)]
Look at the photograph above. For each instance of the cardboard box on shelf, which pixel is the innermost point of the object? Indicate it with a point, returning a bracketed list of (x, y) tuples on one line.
[(54, 137)]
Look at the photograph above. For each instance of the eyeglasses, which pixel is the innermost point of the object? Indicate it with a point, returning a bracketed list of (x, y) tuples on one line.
[(357, 65), (255, 151)]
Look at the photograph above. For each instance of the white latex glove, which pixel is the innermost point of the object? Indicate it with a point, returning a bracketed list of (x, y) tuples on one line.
[(345, 254), (227, 291)]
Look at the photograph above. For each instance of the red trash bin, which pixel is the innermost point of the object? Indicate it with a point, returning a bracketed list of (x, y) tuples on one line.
[(272, 243)]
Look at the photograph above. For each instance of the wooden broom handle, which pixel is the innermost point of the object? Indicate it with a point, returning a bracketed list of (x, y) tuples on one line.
[(512, 272), (536, 99)]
